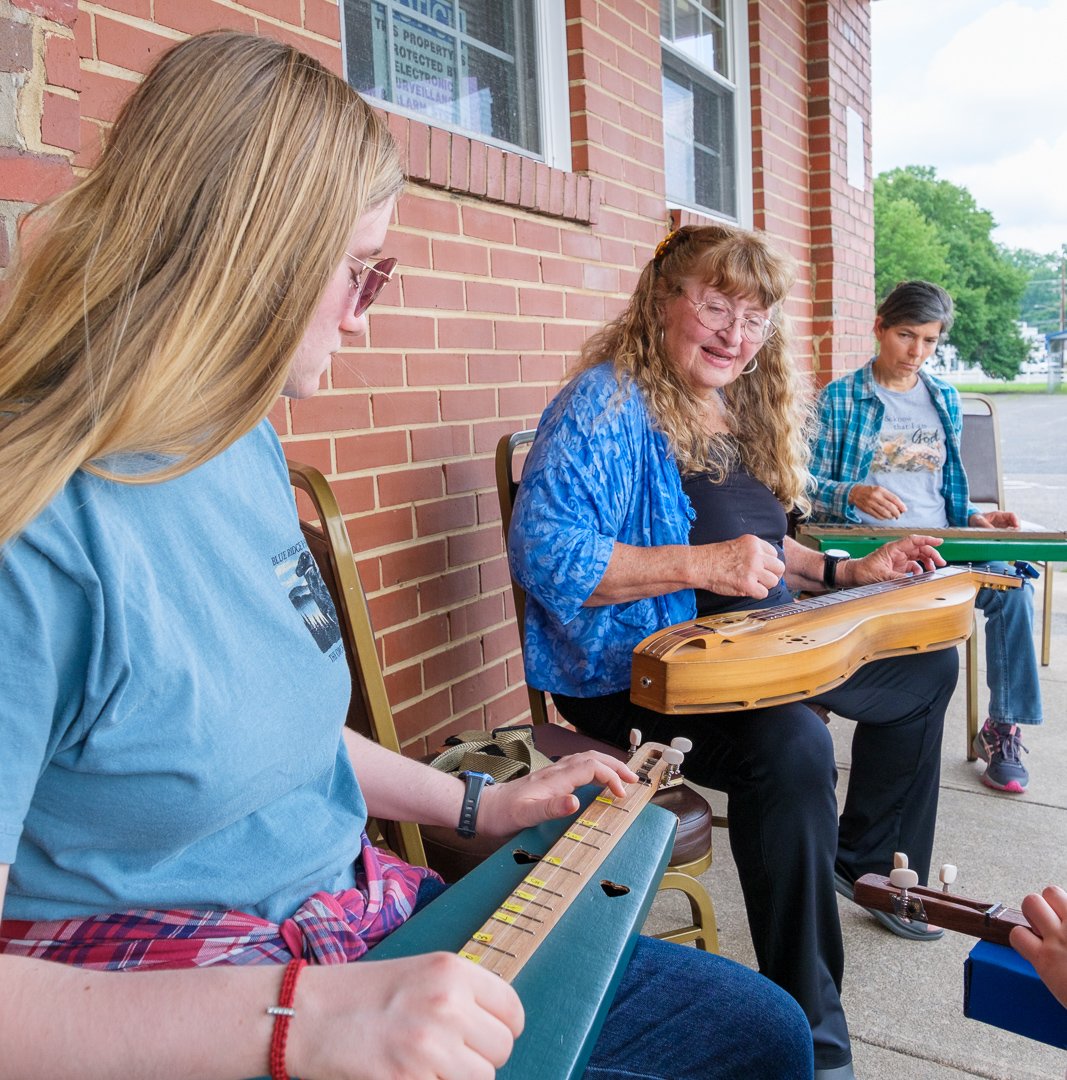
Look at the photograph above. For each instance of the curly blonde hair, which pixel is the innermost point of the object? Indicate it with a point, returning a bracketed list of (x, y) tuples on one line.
[(768, 411), (160, 301)]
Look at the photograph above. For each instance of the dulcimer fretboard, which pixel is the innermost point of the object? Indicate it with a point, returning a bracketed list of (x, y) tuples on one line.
[(521, 921)]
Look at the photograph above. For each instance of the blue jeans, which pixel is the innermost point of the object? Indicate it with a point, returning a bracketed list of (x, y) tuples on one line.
[(1011, 661), (683, 1014)]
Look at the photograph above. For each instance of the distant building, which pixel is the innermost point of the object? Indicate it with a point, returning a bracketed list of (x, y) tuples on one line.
[(1056, 343)]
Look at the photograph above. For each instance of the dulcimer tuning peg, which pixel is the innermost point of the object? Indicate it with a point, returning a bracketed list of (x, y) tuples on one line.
[(903, 878), (946, 875), (635, 739), (673, 756), (900, 860), (682, 743)]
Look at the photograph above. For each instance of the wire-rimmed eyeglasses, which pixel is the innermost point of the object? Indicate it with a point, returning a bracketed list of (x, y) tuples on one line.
[(375, 277), (716, 316)]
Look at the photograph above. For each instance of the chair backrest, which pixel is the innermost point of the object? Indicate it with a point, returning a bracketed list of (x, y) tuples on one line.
[(369, 711), (508, 451), (980, 450)]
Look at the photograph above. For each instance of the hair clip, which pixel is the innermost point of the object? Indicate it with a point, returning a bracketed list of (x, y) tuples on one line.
[(664, 245)]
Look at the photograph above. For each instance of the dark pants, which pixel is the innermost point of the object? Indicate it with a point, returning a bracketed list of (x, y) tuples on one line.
[(777, 768)]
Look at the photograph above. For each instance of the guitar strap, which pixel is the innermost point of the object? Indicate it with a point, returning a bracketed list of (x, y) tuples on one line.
[(504, 753)]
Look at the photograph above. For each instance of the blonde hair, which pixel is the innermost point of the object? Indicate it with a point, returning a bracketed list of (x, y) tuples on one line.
[(767, 410), (161, 300)]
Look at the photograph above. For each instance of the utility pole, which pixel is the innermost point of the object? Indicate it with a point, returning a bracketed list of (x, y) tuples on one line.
[(1055, 362), (1063, 287)]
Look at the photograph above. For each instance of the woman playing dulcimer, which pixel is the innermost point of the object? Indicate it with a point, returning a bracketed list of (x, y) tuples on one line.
[(176, 788), (657, 488)]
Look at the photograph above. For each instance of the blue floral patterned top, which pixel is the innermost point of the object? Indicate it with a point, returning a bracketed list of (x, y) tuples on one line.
[(597, 473)]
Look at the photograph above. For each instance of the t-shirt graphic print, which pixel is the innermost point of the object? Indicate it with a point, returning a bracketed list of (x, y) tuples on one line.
[(298, 572)]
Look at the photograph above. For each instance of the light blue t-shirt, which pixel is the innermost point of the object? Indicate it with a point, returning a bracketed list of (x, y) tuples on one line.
[(172, 692), (909, 457)]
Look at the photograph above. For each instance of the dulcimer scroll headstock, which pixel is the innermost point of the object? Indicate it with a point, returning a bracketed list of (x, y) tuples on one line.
[(919, 903)]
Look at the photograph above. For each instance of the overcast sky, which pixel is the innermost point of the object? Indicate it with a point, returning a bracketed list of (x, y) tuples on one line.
[(978, 89)]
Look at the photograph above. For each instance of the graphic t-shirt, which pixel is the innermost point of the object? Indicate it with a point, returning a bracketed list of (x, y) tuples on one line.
[(909, 458)]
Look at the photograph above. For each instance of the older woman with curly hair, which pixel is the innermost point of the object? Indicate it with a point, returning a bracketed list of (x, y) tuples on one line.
[(657, 489)]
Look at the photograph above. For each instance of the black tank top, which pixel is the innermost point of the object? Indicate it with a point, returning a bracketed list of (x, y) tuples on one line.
[(739, 505)]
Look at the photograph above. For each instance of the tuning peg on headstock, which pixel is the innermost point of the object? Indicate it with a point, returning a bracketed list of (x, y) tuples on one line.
[(682, 743), (900, 860), (673, 757), (903, 878), (905, 906), (946, 875), (635, 739)]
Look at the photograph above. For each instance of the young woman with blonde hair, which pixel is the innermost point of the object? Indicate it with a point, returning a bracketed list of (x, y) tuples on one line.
[(176, 788), (657, 489)]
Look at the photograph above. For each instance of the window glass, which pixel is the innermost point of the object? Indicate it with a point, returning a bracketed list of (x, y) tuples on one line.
[(700, 106), (466, 64)]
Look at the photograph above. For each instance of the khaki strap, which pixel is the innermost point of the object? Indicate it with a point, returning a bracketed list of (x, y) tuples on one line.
[(505, 753)]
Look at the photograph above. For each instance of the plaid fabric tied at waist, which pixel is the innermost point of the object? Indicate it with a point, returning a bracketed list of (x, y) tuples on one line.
[(327, 928)]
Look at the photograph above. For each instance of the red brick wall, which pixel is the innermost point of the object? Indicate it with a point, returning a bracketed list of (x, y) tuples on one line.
[(39, 83), (842, 216), (507, 265)]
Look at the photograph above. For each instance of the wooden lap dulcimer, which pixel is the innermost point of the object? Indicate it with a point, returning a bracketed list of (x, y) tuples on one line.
[(1000, 987), (901, 896), (753, 659), (556, 912), (512, 933)]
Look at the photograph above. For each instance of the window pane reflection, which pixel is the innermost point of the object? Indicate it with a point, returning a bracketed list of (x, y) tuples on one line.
[(470, 64)]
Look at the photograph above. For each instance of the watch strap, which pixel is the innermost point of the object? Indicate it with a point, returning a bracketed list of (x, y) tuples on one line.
[(830, 562), (474, 784)]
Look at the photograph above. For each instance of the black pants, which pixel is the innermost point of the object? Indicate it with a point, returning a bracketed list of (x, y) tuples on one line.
[(776, 766)]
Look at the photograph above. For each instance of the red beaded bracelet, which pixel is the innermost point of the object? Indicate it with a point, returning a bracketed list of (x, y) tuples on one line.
[(283, 1012)]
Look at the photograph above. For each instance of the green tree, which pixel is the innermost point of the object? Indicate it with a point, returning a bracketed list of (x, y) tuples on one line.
[(915, 251), (941, 234), (1041, 297)]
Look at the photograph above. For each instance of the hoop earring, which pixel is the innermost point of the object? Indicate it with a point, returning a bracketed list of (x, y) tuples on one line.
[(749, 370)]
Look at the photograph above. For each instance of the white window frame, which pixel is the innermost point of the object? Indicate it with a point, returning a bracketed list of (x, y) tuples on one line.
[(740, 87), (550, 41)]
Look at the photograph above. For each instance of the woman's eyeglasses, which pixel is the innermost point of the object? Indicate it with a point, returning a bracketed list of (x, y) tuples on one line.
[(372, 279), (716, 317)]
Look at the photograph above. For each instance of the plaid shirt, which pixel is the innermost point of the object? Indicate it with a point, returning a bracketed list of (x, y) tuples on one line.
[(327, 928), (850, 421)]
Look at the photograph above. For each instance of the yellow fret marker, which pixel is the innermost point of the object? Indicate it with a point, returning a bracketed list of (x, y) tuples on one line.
[(553, 860), (470, 956), (483, 937), (536, 882), (573, 836), (605, 798), (587, 823), (517, 908), (501, 917), (522, 894)]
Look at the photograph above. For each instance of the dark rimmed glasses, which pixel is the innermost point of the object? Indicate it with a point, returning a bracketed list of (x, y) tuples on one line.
[(373, 278), (716, 317)]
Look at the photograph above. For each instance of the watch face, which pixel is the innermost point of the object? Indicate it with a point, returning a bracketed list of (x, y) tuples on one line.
[(836, 553)]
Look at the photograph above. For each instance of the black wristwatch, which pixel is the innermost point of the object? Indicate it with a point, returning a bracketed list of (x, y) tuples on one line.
[(830, 561), (475, 783)]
